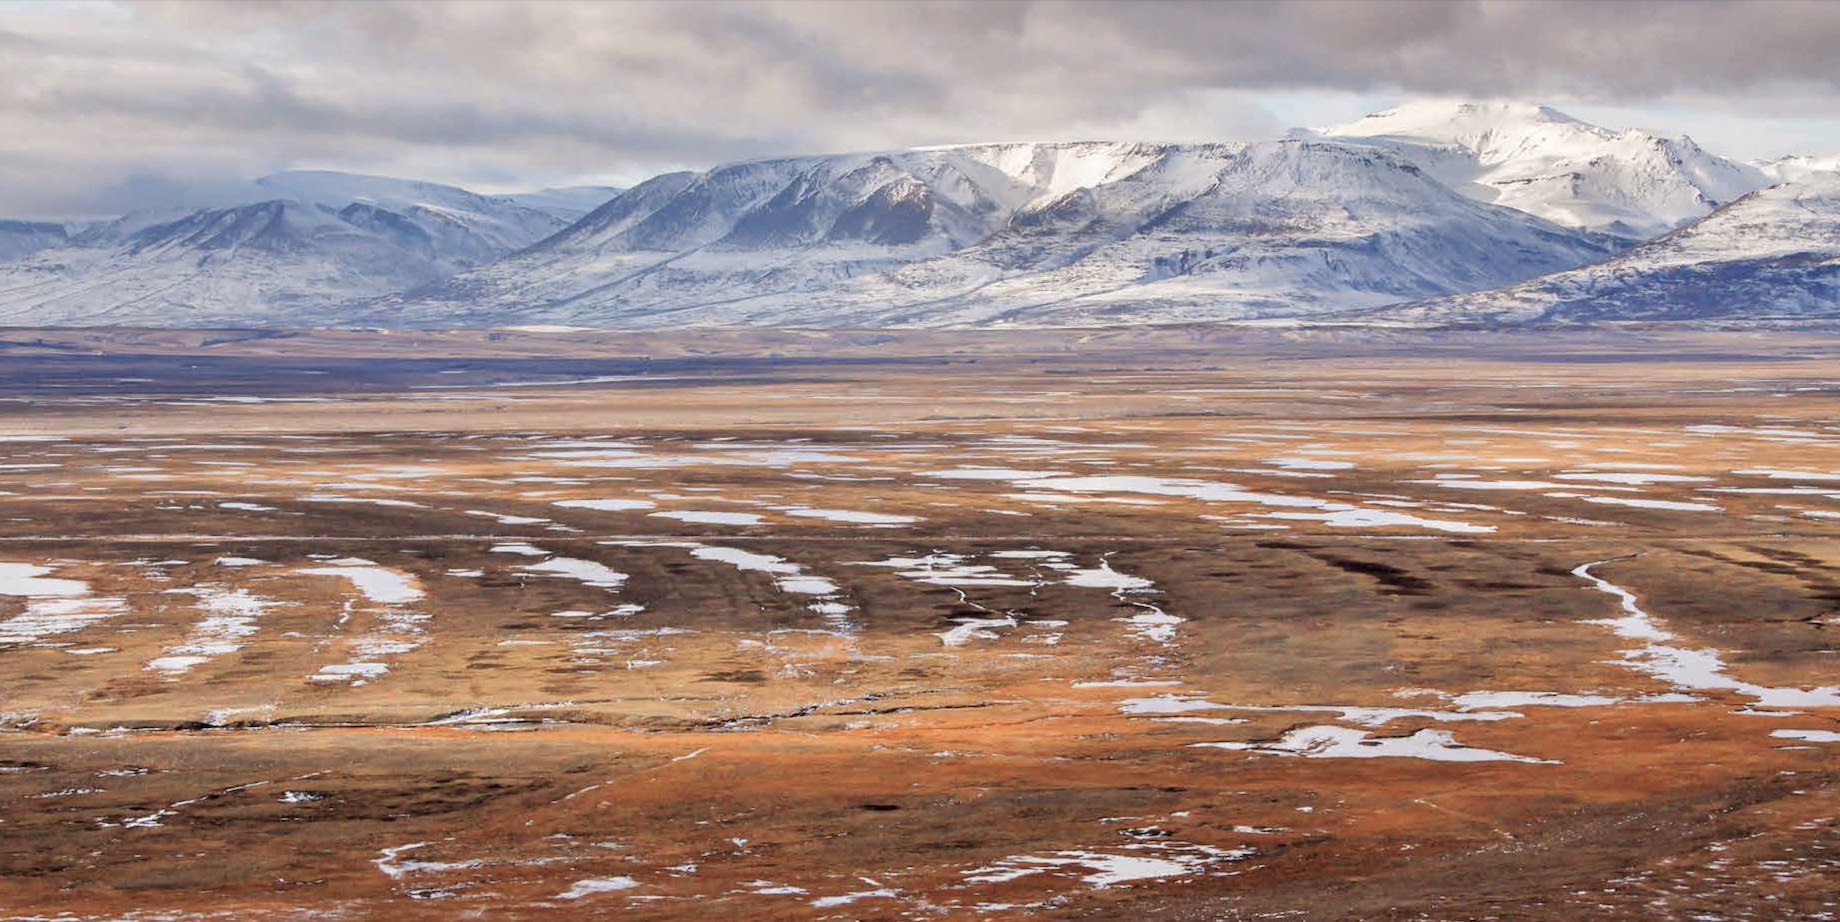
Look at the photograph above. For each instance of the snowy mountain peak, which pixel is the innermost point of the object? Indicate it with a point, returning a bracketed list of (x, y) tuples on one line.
[(328, 187), (337, 190), (1628, 184), (1459, 122), (1053, 170)]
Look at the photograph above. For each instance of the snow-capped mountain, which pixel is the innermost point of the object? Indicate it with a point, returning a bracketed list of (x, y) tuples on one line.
[(292, 249), (1037, 233), (1428, 212), (1629, 185), (464, 228), (1771, 255)]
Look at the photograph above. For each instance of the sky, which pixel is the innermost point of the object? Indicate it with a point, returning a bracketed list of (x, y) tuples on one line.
[(108, 107)]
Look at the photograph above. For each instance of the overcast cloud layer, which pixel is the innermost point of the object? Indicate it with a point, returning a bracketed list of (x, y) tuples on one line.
[(107, 107)]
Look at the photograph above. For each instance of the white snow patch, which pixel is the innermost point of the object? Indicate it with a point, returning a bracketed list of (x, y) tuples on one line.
[(855, 518), (1327, 742), (606, 505), (592, 886), (396, 869), (379, 584), (586, 572), (1689, 670), (942, 568), (991, 473), (230, 616), (711, 518), (1632, 478), (1109, 869), (1774, 474), (1510, 699), (53, 606), (1669, 505), (504, 519), (831, 902), (1808, 736)]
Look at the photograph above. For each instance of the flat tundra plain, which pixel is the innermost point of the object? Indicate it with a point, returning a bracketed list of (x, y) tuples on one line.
[(1175, 625)]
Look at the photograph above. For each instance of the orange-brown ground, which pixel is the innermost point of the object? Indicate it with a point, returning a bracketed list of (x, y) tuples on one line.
[(856, 626)]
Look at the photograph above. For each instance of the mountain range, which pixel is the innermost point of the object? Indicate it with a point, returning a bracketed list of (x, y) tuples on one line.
[(1033, 233), (1430, 213), (293, 248)]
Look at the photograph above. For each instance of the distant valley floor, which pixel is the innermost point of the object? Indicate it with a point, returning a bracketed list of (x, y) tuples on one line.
[(1173, 623)]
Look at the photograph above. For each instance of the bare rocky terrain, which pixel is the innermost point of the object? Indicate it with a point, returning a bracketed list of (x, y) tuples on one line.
[(1170, 624)]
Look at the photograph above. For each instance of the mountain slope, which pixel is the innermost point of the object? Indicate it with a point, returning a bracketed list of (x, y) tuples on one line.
[(466, 228), (1774, 254), (301, 245), (1789, 169), (19, 239), (1629, 185), (1036, 233)]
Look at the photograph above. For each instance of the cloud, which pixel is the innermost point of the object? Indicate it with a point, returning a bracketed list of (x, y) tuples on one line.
[(171, 92)]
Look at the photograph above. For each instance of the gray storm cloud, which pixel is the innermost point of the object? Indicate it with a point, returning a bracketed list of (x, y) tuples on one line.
[(108, 107)]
